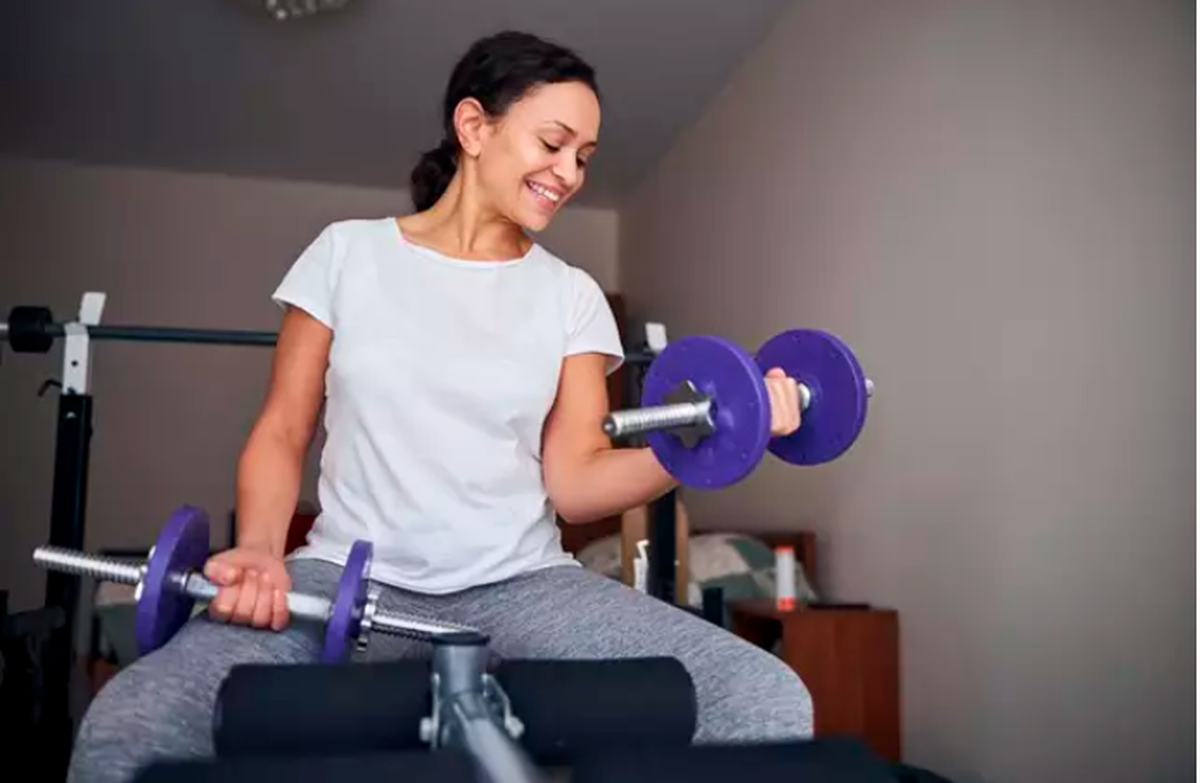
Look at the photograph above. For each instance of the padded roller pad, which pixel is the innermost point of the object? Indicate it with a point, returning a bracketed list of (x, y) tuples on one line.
[(321, 709), (411, 767), (826, 760), (572, 707)]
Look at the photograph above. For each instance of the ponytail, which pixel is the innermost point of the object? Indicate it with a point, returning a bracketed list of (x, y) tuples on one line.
[(432, 174)]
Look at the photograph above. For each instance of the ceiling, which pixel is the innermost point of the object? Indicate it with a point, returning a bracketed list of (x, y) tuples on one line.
[(350, 97)]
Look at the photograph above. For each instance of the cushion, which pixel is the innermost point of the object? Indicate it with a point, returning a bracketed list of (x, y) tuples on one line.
[(740, 564), (603, 555)]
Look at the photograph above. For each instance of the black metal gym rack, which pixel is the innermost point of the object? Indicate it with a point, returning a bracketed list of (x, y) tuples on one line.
[(32, 329)]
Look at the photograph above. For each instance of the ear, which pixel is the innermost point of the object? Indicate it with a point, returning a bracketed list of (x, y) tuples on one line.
[(471, 124)]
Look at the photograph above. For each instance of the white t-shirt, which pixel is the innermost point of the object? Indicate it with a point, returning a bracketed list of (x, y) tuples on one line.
[(441, 373)]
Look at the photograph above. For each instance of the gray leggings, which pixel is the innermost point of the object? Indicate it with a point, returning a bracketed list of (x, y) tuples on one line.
[(161, 706)]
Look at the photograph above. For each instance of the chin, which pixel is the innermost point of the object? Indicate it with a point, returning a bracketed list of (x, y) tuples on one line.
[(531, 220), (533, 213), (537, 225)]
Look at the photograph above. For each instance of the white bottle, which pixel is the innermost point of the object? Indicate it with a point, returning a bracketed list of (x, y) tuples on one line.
[(641, 566), (785, 578)]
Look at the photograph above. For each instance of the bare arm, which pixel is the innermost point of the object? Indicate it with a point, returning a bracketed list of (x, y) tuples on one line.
[(586, 478), (270, 468)]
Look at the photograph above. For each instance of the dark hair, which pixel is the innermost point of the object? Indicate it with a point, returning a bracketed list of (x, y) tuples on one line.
[(496, 71)]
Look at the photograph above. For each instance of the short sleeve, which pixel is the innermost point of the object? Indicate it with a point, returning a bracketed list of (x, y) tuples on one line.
[(592, 327), (309, 283)]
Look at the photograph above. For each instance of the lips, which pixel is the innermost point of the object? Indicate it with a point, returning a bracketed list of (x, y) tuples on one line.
[(546, 197)]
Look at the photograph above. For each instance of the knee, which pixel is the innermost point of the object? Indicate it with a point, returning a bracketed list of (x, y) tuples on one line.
[(757, 698), (160, 706), (785, 707), (124, 721), (140, 714)]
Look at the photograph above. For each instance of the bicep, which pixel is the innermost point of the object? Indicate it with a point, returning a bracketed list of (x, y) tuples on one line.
[(573, 430), (297, 385)]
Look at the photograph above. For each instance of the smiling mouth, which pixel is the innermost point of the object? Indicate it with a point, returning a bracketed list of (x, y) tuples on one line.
[(544, 195)]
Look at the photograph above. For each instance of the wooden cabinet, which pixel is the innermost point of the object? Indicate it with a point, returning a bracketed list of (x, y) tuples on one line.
[(848, 658)]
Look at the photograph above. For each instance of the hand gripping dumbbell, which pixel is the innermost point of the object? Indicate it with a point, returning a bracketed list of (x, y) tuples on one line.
[(170, 582), (707, 416)]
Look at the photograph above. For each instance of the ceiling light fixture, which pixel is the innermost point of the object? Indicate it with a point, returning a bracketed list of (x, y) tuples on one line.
[(283, 10)]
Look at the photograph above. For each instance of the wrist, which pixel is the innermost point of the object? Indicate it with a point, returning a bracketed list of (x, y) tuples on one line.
[(258, 542)]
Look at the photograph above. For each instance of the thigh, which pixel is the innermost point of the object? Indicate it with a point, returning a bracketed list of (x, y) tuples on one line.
[(742, 691), (571, 612), (416, 606)]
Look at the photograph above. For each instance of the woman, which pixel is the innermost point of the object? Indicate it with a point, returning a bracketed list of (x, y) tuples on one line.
[(462, 368)]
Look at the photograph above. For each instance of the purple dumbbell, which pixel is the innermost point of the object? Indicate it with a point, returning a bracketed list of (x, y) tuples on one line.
[(162, 606), (833, 392), (707, 416), (170, 582)]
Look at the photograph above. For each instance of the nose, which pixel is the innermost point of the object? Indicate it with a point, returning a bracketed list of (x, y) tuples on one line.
[(566, 168)]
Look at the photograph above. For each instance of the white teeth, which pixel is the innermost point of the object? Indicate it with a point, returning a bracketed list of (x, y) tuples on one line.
[(536, 188)]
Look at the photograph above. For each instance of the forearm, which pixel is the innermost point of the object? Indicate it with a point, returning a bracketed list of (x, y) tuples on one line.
[(268, 487), (611, 482)]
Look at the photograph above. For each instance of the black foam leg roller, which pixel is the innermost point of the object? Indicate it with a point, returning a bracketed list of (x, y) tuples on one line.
[(826, 760), (411, 767), (571, 707), (269, 709)]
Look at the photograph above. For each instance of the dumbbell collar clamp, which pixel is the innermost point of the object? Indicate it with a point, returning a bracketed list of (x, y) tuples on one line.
[(367, 622), (703, 424)]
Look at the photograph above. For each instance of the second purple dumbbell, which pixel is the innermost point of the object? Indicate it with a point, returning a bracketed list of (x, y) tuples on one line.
[(706, 414), (171, 581)]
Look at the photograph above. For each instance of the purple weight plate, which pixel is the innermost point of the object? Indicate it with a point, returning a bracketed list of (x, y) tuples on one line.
[(163, 608), (346, 617), (742, 412), (838, 408)]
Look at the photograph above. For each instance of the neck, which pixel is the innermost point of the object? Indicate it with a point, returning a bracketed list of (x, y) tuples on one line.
[(461, 224)]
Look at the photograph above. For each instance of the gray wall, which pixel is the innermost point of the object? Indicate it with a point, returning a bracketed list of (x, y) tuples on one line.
[(994, 203), (174, 250)]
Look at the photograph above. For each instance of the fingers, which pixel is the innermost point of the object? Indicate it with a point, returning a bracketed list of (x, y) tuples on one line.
[(791, 408), (221, 608), (279, 609), (774, 394), (280, 577), (244, 611), (785, 402), (253, 589), (222, 572), (264, 607), (281, 583)]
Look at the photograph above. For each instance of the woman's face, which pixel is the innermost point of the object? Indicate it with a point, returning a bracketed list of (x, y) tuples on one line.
[(532, 160)]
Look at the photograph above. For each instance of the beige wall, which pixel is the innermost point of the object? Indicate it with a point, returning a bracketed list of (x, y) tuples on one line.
[(993, 202), (169, 249)]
